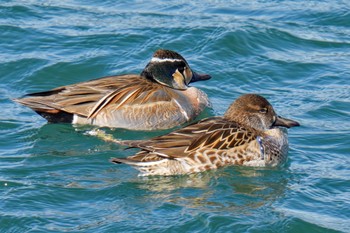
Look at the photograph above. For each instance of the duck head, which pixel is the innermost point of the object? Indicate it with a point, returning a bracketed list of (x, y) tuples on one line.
[(256, 112), (171, 69)]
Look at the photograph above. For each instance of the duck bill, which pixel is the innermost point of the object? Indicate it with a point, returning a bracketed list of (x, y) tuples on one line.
[(284, 122), (199, 77)]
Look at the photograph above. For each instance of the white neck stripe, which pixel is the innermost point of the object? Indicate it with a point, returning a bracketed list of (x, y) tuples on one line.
[(157, 59)]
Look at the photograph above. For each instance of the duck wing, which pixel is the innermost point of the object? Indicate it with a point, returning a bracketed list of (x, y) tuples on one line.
[(214, 133), (87, 99)]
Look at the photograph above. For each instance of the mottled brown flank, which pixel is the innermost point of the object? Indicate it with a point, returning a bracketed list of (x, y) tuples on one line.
[(239, 161), (212, 159), (220, 164), (215, 142), (201, 158), (209, 153)]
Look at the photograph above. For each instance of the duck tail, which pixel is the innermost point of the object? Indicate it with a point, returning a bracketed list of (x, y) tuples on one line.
[(50, 113)]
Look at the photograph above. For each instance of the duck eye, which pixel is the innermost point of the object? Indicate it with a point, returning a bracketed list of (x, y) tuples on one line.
[(263, 110), (181, 69)]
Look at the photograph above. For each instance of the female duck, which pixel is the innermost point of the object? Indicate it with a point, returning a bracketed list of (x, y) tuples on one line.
[(248, 134)]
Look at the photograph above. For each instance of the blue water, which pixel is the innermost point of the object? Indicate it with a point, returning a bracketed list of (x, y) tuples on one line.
[(55, 178)]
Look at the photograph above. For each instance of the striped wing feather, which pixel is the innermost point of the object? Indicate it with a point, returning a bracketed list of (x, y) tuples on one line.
[(91, 97), (212, 133)]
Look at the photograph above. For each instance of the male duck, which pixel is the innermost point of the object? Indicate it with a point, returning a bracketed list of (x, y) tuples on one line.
[(158, 98), (248, 134)]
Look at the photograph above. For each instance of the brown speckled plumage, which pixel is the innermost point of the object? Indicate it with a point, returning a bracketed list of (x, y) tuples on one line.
[(248, 134)]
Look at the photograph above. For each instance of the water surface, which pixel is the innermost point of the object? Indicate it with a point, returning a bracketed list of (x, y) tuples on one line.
[(55, 178)]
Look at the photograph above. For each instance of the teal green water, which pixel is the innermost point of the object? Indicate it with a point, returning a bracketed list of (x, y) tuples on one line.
[(55, 178)]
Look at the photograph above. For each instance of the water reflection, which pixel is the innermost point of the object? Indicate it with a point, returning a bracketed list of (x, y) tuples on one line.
[(232, 190), (229, 189)]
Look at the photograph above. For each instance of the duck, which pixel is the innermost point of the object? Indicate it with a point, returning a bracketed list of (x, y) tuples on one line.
[(158, 98), (250, 133)]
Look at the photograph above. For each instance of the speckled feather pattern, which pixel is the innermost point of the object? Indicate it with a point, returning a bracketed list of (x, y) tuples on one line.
[(216, 142), (209, 144)]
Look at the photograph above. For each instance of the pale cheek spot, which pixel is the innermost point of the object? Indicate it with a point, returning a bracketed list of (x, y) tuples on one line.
[(188, 75)]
